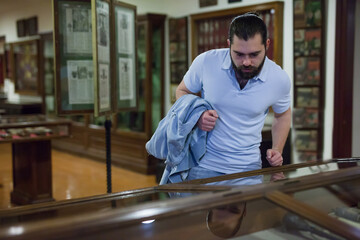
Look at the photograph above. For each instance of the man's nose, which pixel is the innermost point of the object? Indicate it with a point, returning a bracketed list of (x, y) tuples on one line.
[(246, 61)]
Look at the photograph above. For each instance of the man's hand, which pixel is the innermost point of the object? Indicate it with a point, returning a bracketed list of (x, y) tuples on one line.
[(274, 157), (207, 120)]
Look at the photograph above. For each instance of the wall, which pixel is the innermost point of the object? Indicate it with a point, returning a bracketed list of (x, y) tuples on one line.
[(356, 95), (175, 8), (329, 78)]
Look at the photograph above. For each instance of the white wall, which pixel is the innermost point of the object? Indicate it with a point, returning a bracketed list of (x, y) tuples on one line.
[(329, 78), (13, 10), (356, 95)]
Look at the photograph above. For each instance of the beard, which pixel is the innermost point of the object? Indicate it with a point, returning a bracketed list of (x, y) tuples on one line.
[(250, 72)]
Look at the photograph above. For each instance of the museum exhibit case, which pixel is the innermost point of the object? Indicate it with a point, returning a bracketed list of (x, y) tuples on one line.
[(30, 137), (298, 201)]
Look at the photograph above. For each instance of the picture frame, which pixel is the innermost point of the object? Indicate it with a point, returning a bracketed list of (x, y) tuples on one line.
[(307, 71), (21, 28), (307, 97), (125, 56), (73, 57), (207, 3), (25, 57), (306, 140), (305, 118), (32, 26)]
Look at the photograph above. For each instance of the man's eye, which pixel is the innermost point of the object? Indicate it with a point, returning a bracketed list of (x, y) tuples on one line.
[(254, 54)]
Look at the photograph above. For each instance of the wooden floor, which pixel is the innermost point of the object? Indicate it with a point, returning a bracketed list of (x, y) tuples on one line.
[(74, 177)]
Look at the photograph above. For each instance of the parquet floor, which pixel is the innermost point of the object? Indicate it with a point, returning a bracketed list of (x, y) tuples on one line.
[(74, 177)]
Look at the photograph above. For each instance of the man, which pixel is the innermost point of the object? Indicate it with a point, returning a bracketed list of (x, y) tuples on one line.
[(240, 83)]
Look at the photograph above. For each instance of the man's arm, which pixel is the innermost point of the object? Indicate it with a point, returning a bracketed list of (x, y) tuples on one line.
[(182, 90), (208, 119), (280, 130)]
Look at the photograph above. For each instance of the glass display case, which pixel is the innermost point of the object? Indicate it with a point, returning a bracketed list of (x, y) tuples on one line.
[(315, 200), (30, 137), (131, 129)]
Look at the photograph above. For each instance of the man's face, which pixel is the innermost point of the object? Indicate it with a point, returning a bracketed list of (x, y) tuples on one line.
[(248, 56)]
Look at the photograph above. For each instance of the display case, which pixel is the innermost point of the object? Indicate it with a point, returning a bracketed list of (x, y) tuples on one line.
[(30, 137), (131, 129), (314, 200)]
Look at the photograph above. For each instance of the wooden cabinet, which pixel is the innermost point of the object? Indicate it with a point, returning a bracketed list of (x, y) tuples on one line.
[(30, 137), (130, 129)]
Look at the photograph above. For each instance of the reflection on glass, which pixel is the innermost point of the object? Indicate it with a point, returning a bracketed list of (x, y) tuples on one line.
[(341, 200)]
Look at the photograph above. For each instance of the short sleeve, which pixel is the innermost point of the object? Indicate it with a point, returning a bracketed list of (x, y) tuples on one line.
[(193, 77), (284, 101)]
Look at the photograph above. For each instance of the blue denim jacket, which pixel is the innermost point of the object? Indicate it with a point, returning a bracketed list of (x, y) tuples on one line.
[(178, 140)]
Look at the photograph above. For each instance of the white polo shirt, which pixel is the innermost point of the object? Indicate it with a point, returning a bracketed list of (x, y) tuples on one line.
[(233, 145)]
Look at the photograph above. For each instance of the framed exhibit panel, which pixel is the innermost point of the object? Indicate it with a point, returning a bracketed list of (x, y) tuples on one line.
[(101, 12), (25, 57), (126, 88), (73, 57), (308, 78), (210, 30)]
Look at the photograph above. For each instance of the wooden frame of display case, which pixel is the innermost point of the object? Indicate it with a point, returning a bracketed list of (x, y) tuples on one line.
[(119, 216), (309, 52), (224, 17)]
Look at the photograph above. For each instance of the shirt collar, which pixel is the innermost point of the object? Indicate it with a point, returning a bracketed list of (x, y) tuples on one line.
[(261, 76)]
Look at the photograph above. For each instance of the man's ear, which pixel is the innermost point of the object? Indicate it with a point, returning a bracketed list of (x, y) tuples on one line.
[(267, 43), (228, 42)]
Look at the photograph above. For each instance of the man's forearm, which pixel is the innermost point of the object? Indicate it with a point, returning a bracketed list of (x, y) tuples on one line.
[(280, 130)]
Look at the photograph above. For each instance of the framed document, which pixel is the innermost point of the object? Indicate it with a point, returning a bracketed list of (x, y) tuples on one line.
[(126, 89), (26, 67), (101, 56), (73, 59)]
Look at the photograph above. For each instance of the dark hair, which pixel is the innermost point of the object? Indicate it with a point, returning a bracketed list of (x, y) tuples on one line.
[(245, 26)]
